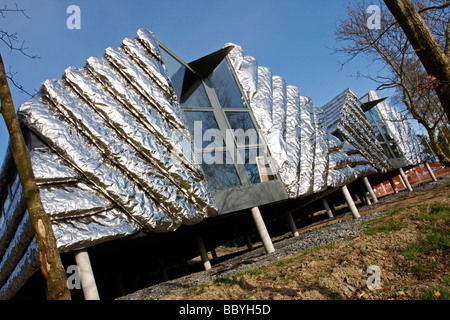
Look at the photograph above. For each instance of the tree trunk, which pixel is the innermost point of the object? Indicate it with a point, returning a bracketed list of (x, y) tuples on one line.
[(50, 260), (427, 49), (437, 148)]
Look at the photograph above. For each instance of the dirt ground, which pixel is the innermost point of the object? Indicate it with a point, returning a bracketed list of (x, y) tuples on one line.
[(339, 270)]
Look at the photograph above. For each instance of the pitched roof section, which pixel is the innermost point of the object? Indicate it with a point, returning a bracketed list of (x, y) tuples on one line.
[(400, 129), (117, 127), (344, 116)]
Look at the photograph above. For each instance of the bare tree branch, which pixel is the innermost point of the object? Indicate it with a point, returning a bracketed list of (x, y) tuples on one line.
[(11, 40), (402, 70)]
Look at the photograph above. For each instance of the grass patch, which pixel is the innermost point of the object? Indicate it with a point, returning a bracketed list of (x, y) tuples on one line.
[(382, 225), (317, 249), (436, 293), (384, 228), (433, 245)]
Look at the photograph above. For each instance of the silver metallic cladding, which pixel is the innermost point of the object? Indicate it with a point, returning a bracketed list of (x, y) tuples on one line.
[(71, 201), (401, 130), (140, 81), (65, 139), (85, 231), (295, 130), (25, 268), (49, 168), (179, 144), (148, 150), (120, 159), (17, 246), (154, 69), (346, 117)]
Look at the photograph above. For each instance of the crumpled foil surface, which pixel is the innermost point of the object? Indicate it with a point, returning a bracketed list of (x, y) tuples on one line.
[(298, 134), (118, 158), (401, 130), (345, 117)]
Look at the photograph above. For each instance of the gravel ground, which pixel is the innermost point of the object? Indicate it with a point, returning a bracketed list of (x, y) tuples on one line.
[(321, 233), (341, 229)]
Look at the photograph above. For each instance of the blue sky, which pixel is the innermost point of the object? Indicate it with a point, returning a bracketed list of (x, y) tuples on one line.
[(289, 36)]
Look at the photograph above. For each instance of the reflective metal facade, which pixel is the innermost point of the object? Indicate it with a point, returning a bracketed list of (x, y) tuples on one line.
[(113, 154)]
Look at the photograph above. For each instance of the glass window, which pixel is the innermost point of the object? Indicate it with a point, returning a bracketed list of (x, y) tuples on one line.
[(226, 87), (377, 134), (395, 150), (251, 165), (375, 114), (176, 71), (244, 129), (204, 129), (220, 174), (386, 150), (257, 164), (197, 99), (385, 131)]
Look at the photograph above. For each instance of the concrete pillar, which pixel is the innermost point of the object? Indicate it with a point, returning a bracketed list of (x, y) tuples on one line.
[(262, 230), (405, 179), (327, 207), (214, 254), (249, 242), (182, 262), (433, 177), (366, 199), (86, 275), (120, 284), (350, 203), (162, 269), (203, 253), (292, 224), (394, 187), (370, 189)]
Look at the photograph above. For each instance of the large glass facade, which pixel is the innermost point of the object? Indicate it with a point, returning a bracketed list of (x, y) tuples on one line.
[(225, 86), (225, 136)]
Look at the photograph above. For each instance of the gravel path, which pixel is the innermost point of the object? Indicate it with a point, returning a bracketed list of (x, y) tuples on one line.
[(338, 229)]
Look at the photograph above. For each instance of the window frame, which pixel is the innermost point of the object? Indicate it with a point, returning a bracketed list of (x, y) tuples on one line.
[(378, 123), (230, 145)]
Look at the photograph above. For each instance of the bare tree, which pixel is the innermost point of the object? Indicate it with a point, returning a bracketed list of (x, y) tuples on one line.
[(401, 68), (426, 47), (49, 258)]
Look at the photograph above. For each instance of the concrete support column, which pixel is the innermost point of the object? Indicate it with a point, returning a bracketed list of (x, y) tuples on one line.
[(370, 189), (182, 262), (86, 275), (214, 254), (327, 207), (405, 179), (262, 230), (203, 253), (162, 269), (366, 199), (433, 177), (350, 203), (394, 187), (249, 242), (292, 224)]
